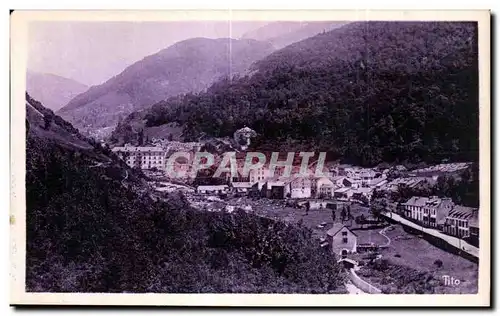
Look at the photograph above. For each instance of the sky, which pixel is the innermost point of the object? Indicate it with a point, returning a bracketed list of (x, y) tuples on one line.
[(93, 52)]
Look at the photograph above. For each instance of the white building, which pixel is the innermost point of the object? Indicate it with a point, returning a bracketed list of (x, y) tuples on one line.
[(212, 189), (429, 211), (343, 193), (323, 187), (459, 221), (241, 187), (142, 157), (299, 188), (260, 174)]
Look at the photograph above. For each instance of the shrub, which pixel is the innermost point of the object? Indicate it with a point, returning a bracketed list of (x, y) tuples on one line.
[(438, 263)]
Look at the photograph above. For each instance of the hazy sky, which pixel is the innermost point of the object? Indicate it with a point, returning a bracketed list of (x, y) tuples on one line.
[(93, 52)]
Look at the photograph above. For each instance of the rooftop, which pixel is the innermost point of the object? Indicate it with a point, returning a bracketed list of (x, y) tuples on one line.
[(417, 201), (463, 212), (242, 184), (212, 187), (336, 228), (137, 149), (342, 190)]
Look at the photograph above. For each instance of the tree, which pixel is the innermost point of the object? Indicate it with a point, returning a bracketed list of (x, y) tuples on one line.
[(438, 263), (141, 137), (343, 214), (378, 207), (47, 119), (361, 220)]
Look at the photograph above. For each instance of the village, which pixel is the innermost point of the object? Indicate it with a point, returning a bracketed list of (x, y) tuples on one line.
[(342, 207)]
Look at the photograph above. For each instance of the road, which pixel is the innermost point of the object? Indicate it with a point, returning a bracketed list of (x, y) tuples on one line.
[(454, 241), (352, 289)]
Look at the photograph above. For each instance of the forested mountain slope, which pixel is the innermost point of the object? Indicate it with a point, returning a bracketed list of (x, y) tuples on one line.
[(93, 226), (281, 34), (368, 92)]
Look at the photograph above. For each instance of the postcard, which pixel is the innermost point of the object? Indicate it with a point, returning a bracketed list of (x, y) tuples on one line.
[(250, 158)]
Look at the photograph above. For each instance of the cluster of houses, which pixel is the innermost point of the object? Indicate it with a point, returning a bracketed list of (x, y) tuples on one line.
[(444, 215), (343, 183), (442, 168), (356, 184)]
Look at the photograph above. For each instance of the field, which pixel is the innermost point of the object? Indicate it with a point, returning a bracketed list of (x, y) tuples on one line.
[(410, 260), (410, 255), (277, 209)]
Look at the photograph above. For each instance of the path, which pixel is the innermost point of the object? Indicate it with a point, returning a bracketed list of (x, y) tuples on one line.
[(352, 289), (382, 232), (35, 109)]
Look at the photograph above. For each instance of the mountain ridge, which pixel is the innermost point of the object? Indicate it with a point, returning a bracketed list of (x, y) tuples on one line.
[(186, 66), (367, 91), (53, 90)]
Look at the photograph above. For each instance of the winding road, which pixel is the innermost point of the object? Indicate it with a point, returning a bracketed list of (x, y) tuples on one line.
[(382, 232)]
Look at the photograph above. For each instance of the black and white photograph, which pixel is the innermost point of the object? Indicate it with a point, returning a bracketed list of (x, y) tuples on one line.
[(335, 156)]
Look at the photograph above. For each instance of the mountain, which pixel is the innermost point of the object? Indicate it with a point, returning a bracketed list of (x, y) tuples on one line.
[(93, 225), (367, 92), (187, 66), (52, 90), (281, 34)]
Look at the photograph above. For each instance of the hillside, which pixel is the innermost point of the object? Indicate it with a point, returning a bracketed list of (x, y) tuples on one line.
[(366, 92), (281, 34), (52, 90), (187, 66), (93, 226)]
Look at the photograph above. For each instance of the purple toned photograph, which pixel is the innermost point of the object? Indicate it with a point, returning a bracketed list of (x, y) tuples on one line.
[(280, 157)]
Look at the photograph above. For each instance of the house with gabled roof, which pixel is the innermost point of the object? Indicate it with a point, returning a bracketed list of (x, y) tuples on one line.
[(342, 239), (459, 221)]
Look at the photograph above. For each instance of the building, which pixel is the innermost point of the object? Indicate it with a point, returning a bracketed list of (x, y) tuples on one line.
[(260, 174), (366, 177), (212, 189), (459, 221), (410, 182), (444, 168), (326, 190), (362, 194), (317, 183), (341, 239), (241, 187), (377, 183), (338, 181), (428, 211), (299, 188), (142, 157), (343, 193), (274, 189), (474, 230)]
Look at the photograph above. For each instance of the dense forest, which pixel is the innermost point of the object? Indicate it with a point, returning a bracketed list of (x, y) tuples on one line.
[(93, 226), (368, 92)]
